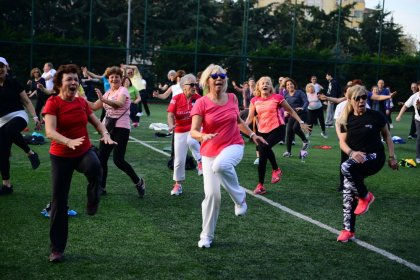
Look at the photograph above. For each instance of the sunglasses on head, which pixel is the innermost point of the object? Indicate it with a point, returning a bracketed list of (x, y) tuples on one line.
[(363, 97), (215, 75)]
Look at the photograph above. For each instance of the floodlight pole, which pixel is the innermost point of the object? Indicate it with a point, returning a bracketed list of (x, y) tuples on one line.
[(380, 40), (127, 46), (196, 36), (292, 54), (145, 30), (244, 39), (90, 34), (337, 41), (32, 34)]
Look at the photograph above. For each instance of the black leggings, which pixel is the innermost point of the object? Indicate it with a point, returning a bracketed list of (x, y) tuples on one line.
[(39, 104), (314, 115), (62, 172), (144, 97), (266, 151), (119, 135), (9, 134), (292, 128), (354, 185)]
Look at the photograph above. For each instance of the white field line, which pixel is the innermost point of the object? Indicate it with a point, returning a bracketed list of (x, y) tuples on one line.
[(312, 221)]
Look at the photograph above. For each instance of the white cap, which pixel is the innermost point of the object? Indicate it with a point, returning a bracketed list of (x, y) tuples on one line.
[(4, 61)]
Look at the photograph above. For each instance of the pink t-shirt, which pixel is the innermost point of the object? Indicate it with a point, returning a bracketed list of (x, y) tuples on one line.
[(220, 119), (124, 121), (269, 113)]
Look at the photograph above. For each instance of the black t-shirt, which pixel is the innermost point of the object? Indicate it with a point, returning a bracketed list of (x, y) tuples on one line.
[(10, 97), (363, 132)]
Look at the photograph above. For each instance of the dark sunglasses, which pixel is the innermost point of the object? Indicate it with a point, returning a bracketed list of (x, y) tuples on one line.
[(215, 75), (130, 73), (363, 97), (192, 85)]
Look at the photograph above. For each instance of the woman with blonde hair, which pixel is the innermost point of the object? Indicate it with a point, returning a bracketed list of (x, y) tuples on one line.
[(267, 105), (216, 124), (360, 138)]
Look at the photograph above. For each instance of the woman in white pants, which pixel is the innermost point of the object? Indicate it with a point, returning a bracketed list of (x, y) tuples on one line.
[(216, 124), (179, 121)]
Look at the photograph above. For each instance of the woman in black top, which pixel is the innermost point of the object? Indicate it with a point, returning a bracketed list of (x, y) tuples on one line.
[(34, 89), (360, 138), (13, 119)]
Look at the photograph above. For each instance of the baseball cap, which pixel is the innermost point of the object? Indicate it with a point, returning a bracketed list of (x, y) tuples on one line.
[(4, 61)]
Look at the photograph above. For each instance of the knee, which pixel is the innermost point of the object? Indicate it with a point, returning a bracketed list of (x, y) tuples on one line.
[(220, 167)]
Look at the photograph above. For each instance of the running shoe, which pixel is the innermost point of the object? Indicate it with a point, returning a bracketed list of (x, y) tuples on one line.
[(199, 168), (345, 236), (260, 189), (287, 154), (177, 189), (276, 176), (241, 209), (364, 203)]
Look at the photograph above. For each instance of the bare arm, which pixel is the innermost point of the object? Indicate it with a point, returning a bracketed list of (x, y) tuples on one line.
[(197, 121), (101, 129), (30, 108), (51, 133), (305, 127), (163, 95), (402, 111), (392, 160), (251, 114)]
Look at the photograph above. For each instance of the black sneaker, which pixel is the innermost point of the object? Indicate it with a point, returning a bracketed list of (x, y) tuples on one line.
[(92, 208), (141, 188), (6, 190), (34, 159)]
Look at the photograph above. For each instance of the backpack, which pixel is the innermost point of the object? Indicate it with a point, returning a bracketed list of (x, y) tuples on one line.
[(189, 163)]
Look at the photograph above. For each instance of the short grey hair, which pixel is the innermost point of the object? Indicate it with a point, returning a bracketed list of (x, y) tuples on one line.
[(185, 79), (171, 73)]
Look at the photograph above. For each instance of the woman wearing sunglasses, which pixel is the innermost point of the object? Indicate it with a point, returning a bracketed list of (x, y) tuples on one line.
[(360, 138), (179, 121), (216, 124)]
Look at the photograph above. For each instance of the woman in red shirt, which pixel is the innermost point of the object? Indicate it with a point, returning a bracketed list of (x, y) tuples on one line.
[(179, 121), (222, 147), (66, 117)]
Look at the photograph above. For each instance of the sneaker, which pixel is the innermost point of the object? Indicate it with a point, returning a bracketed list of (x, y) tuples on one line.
[(177, 189), (345, 236), (410, 137), (141, 188), (240, 210), (281, 142), (6, 190), (287, 154), (200, 168), (135, 124), (391, 125), (417, 160), (329, 126), (34, 159), (293, 142), (91, 208), (323, 134), (56, 257), (305, 146), (257, 161), (276, 175), (260, 189), (364, 203), (204, 243)]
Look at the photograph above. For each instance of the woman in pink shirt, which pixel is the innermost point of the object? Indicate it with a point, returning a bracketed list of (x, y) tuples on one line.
[(216, 124), (116, 102), (268, 104)]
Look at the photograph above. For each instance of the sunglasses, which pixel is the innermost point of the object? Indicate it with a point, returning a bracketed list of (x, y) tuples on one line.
[(363, 97), (215, 75), (130, 73), (192, 85)]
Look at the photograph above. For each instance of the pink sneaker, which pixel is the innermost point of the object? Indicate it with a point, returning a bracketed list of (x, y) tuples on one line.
[(345, 236), (364, 203), (177, 189), (260, 189), (276, 176)]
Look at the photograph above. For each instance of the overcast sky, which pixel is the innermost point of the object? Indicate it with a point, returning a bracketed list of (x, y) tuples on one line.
[(406, 13)]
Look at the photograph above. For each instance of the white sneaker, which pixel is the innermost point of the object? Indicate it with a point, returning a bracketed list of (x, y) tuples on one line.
[(281, 142), (257, 161), (324, 135), (204, 243), (391, 125), (240, 210), (287, 154), (139, 114), (417, 160), (177, 189), (305, 146)]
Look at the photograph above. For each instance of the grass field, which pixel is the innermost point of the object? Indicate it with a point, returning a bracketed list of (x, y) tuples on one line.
[(156, 237)]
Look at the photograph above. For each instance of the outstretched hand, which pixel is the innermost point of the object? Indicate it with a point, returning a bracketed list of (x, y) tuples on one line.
[(73, 143)]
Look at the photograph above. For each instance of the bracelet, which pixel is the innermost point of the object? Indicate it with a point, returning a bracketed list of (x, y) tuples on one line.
[(252, 134), (350, 153), (35, 118), (105, 133), (392, 157)]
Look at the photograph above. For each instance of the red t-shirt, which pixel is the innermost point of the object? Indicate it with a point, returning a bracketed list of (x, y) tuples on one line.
[(220, 119), (268, 110), (72, 118), (181, 108)]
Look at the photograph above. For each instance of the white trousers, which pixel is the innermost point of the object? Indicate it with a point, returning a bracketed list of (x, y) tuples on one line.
[(183, 141), (220, 170)]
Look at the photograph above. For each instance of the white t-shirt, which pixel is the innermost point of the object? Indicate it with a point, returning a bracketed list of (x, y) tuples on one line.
[(176, 89), (49, 84), (317, 87), (340, 108), (412, 101)]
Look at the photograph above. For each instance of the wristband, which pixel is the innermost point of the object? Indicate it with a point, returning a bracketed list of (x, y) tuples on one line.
[(301, 122), (252, 134), (350, 153), (105, 133)]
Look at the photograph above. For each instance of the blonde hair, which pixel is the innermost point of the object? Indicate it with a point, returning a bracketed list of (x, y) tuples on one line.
[(310, 85), (257, 91), (212, 69), (352, 93)]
